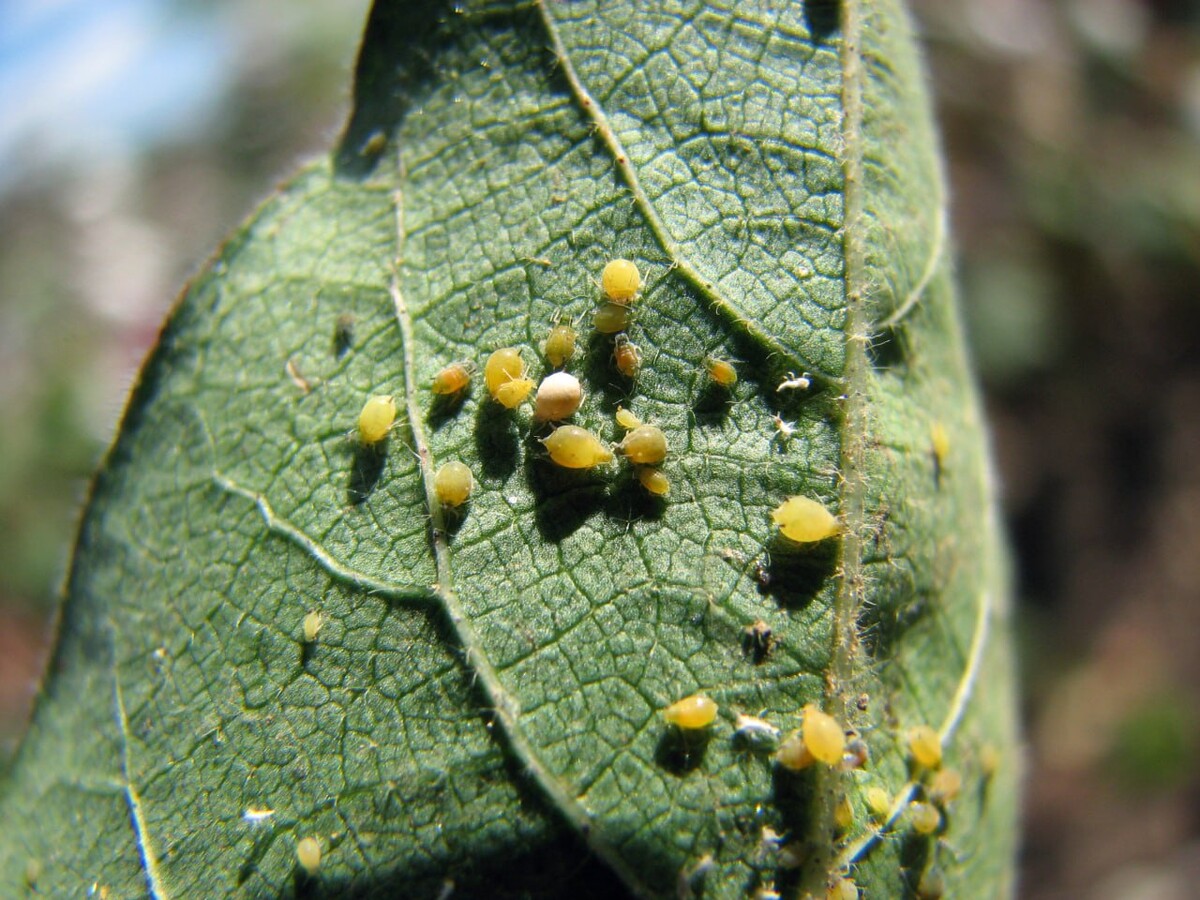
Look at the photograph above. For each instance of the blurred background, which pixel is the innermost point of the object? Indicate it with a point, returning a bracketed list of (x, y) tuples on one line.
[(134, 134)]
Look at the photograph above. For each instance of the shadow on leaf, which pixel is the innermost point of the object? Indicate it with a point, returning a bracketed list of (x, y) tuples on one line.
[(366, 467)]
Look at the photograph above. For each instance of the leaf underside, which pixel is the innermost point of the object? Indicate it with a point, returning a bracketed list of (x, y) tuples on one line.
[(481, 708)]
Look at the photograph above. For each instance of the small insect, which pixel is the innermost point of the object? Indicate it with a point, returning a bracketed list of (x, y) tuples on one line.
[(879, 802), (645, 445), (820, 739), (857, 754), (504, 374), (989, 760), (842, 889), (560, 345), (453, 484), (376, 419), (757, 640), (611, 318), (573, 447), (794, 383), (627, 356), (925, 817), (925, 747), (783, 430), (945, 786), (621, 281), (653, 480), (312, 626), (939, 440), (308, 854), (804, 520), (627, 419), (558, 397), (721, 372), (691, 713), (453, 379), (843, 813), (757, 734), (375, 143)]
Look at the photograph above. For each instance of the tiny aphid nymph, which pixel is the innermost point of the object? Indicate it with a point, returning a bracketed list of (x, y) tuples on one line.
[(626, 419), (721, 372), (804, 521), (925, 747), (645, 445), (312, 626), (879, 802), (945, 786), (560, 345), (573, 447), (925, 817), (558, 397), (376, 419), (611, 318), (842, 889), (453, 379), (654, 481), (621, 281), (843, 813), (308, 855), (691, 713), (794, 382), (504, 374), (453, 484), (627, 356)]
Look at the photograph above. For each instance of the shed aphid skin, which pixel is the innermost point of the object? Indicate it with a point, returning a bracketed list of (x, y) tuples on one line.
[(804, 520), (654, 481), (645, 445), (376, 419), (924, 817), (558, 397), (783, 430), (944, 787), (573, 447), (691, 713), (755, 734), (453, 483), (621, 281), (308, 855), (611, 318), (560, 345), (794, 382), (820, 739), (626, 419), (627, 356), (453, 379), (721, 372), (925, 747), (312, 626)]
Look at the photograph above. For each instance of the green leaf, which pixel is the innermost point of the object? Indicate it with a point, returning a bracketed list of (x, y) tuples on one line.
[(481, 708)]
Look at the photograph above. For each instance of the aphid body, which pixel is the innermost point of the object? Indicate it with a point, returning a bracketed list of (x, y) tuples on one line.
[(453, 483), (939, 438), (691, 713), (376, 419), (312, 626), (627, 356), (573, 447), (645, 445), (843, 813), (820, 739), (945, 786), (925, 746), (611, 318), (308, 854), (879, 802), (925, 817), (653, 480), (721, 372), (842, 889), (452, 379), (804, 520), (620, 281), (794, 382), (560, 344), (626, 419), (558, 396), (504, 374)]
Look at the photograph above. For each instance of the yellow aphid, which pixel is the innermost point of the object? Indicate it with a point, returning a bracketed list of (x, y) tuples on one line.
[(627, 356), (989, 760), (690, 713), (453, 484), (560, 345), (823, 736), (939, 438), (925, 817), (452, 379), (879, 802), (645, 445), (925, 746), (558, 396), (312, 626), (945, 786), (654, 481), (513, 393), (843, 814), (308, 854), (621, 281), (627, 419), (842, 889), (573, 447), (721, 372), (804, 520), (611, 318), (503, 366), (794, 754), (376, 419)]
